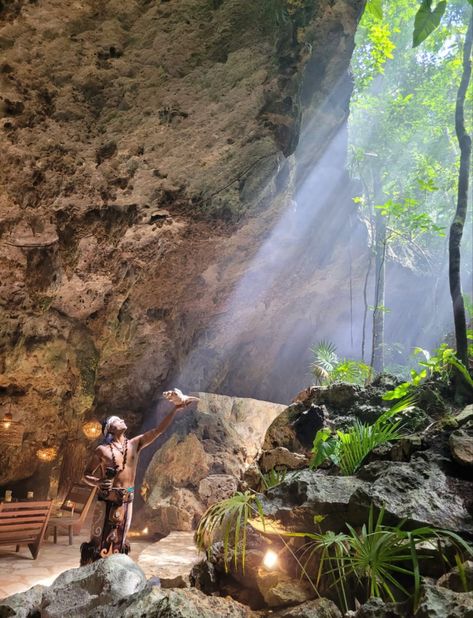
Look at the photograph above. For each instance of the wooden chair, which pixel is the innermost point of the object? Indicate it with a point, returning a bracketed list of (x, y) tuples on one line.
[(24, 523), (75, 507)]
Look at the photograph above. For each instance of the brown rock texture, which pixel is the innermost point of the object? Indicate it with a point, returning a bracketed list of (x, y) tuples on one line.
[(145, 152), (208, 451), (461, 447)]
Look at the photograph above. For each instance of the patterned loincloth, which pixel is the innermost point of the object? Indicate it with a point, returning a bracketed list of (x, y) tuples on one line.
[(110, 524)]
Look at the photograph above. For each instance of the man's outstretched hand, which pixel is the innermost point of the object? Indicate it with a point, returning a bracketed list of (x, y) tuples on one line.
[(178, 398)]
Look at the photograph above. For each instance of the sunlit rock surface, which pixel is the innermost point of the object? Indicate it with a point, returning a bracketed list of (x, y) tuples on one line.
[(134, 136), (115, 587), (203, 459), (77, 592)]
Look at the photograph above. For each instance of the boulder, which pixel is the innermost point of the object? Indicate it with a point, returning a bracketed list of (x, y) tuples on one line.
[(210, 448), (339, 396), (280, 590), (22, 604), (403, 449), (439, 602), (317, 608), (203, 576), (281, 457), (180, 603), (377, 608), (216, 487), (306, 493), (419, 490), (295, 428), (456, 582), (77, 591), (465, 415), (115, 587), (461, 447)]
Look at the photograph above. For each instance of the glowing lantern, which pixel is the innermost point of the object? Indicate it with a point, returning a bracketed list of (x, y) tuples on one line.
[(47, 454), (270, 560), (92, 429), (11, 432)]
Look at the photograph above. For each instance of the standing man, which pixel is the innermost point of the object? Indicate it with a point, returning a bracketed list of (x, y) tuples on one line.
[(113, 469)]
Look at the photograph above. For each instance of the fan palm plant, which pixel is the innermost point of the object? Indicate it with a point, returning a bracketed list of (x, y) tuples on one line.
[(229, 519), (378, 560)]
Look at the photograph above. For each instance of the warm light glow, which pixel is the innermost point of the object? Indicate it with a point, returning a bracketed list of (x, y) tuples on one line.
[(92, 429), (145, 530), (7, 420), (270, 559), (47, 454)]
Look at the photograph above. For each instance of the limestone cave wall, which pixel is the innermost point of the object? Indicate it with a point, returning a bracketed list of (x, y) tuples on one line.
[(146, 150)]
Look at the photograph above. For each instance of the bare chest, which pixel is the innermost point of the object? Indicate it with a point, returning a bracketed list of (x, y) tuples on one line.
[(119, 457)]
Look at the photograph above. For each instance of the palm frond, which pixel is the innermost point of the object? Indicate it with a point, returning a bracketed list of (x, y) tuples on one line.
[(229, 519)]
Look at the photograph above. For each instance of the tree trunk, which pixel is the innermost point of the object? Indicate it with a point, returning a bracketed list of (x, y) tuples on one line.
[(456, 228), (377, 351)]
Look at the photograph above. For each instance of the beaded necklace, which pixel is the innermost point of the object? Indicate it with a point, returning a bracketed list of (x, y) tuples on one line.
[(123, 452)]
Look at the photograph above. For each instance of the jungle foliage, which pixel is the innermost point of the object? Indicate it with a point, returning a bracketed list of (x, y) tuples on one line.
[(403, 147), (376, 560), (348, 449)]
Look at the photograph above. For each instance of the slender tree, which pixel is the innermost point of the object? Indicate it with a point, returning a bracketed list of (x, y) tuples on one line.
[(458, 223), (377, 353)]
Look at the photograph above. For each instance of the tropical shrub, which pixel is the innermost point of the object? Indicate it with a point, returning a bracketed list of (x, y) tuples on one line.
[(348, 449), (328, 367), (441, 364), (229, 519), (375, 561)]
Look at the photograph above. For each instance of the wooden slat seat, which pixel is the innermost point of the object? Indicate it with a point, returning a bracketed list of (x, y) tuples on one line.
[(24, 523), (74, 511)]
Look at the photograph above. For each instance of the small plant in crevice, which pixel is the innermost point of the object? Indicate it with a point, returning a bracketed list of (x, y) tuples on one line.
[(273, 478), (348, 449), (228, 519), (376, 560), (327, 367)]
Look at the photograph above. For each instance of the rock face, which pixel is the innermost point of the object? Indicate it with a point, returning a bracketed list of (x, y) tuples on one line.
[(456, 582), (461, 446), (116, 587), (135, 136), (295, 428), (420, 491), (79, 591), (318, 608), (439, 602), (203, 460), (280, 591)]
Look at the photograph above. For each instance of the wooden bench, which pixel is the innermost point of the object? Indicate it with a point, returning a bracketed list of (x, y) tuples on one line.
[(24, 523), (74, 511)]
